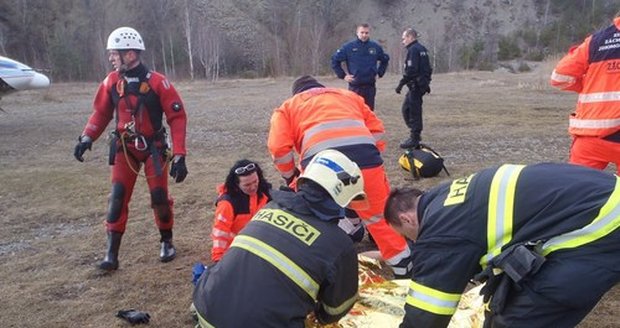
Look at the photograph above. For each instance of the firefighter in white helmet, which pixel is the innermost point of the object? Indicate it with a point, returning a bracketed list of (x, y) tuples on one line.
[(291, 259)]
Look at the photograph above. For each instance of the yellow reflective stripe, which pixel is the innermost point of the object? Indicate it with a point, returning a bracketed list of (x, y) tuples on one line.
[(607, 221), (432, 300), (501, 210), (202, 322), (280, 261), (341, 308)]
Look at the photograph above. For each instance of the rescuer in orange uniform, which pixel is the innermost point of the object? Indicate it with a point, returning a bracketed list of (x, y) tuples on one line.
[(592, 69), (137, 99), (317, 118), (244, 193)]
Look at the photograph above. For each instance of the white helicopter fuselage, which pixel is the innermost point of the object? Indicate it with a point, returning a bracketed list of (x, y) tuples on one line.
[(15, 76)]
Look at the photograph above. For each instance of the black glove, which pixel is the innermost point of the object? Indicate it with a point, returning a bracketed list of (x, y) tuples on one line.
[(133, 316), (84, 143), (398, 88), (292, 177), (178, 171)]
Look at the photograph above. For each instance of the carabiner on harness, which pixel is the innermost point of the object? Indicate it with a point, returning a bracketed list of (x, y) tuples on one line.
[(140, 143)]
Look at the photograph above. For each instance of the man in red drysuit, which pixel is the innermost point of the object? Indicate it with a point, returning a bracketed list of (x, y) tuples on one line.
[(137, 99)]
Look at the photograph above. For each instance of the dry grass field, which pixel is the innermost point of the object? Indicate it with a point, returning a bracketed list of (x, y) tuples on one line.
[(52, 207)]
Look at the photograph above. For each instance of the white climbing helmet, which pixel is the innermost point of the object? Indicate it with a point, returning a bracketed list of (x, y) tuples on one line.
[(125, 38)]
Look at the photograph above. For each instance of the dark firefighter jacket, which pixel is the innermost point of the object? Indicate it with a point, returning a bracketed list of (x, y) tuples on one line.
[(417, 68), (282, 266), (361, 58), (469, 221)]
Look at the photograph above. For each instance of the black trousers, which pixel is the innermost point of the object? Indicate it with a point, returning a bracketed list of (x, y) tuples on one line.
[(412, 112), (367, 91)]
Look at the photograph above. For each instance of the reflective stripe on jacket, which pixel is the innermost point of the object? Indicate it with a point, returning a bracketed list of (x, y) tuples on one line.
[(592, 69), (322, 118)]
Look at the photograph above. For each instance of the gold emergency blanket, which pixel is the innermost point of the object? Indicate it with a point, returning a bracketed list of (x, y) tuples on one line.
[(381, 302)]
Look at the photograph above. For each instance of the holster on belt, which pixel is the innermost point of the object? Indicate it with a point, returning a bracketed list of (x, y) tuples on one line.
[(114, 137), (159, 152), (506, 271)]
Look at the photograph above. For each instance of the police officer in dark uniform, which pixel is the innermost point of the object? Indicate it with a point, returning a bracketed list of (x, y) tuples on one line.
[(417, 77), (544, 237), (361, 56), (291, 259)]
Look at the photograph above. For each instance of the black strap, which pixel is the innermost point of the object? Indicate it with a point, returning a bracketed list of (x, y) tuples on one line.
[(414, 170)]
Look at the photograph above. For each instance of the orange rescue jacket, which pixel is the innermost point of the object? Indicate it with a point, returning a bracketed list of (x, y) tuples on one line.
[(231, 215), (593, 70), (322, 118)]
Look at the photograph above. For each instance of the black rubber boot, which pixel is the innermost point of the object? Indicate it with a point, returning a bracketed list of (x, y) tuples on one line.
[(167, 252), (409, 144), (110, 262), (412, 142)]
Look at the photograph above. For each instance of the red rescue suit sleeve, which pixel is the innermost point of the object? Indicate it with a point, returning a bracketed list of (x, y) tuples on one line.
[(281, 141), (568, 73), (222, 234), (174, 110), (103, 109)]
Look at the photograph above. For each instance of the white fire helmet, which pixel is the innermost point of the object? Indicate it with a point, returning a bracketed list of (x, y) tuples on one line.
[(125, 38), (338, 175)]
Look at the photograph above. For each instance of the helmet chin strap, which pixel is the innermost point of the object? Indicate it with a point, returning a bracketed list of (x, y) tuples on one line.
[(123, 67)]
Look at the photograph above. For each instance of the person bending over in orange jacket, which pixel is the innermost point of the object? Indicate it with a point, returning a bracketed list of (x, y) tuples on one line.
[(245, 192), (317, 118)]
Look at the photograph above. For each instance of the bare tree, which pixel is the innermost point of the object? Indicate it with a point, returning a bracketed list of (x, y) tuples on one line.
[(188, 37)]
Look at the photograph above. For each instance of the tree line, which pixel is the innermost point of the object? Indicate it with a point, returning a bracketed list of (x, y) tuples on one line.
[(209, 39)]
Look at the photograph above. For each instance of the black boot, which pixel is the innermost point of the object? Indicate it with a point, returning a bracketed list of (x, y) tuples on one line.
[(110, 262), (410, 143), (167, 252)]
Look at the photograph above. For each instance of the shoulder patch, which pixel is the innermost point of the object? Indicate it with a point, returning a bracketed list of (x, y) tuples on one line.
[(300, 229), (458, 190)]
